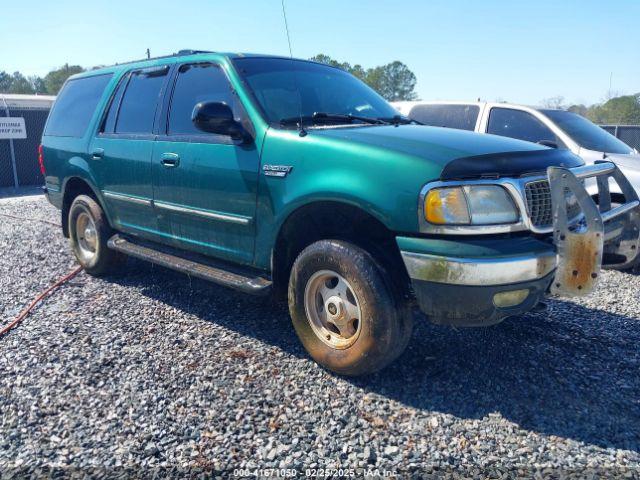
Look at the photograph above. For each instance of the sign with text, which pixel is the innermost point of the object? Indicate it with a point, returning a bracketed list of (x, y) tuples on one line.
[(12, 127)]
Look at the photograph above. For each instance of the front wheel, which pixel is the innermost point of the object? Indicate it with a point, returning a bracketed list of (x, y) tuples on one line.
[(342, 309)]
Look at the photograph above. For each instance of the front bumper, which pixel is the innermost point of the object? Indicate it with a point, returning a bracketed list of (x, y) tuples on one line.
[(461, 282), (480, 282)]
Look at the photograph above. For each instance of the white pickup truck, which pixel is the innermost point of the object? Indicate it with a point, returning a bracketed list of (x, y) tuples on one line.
[(553, 128)]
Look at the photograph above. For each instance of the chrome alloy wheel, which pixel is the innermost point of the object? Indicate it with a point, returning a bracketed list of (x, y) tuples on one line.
[(332, 309), (86, 237)]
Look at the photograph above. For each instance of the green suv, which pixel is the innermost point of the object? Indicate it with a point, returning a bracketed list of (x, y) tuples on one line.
[(270, 174)]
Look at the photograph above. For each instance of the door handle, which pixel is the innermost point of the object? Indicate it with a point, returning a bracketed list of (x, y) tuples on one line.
[(170, 160), (97, 154)]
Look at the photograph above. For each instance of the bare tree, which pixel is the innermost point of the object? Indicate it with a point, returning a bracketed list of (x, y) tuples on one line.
[(556, 102)]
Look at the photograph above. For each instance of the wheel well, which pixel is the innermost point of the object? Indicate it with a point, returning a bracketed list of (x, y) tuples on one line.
[(75, 186), (335, 220)]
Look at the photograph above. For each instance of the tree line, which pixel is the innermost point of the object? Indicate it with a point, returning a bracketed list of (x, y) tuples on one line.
[(615, 110), (394, 81), (50, 84)]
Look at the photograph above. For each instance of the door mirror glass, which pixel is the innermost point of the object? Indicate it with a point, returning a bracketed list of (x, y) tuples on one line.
[(217, 118)]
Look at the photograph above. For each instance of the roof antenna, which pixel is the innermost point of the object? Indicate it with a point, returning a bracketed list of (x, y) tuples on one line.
[(148, 54), (302, 131)]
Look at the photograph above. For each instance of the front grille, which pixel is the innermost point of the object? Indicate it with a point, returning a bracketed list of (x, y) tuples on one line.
[(538, 196)]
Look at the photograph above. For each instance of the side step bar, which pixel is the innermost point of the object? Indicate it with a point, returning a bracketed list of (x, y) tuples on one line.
[(201, 268)]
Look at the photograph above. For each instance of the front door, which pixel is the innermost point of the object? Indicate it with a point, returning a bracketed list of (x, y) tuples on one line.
[(205, 185)]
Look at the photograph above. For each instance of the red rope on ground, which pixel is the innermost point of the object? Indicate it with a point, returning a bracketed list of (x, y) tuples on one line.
[(46, 292)]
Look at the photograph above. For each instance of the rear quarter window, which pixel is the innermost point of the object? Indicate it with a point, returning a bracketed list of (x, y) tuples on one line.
[(462, 117), (75, 105)]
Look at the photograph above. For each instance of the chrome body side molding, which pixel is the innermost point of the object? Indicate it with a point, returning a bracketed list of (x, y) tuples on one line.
[(225, 217), (211, 215)]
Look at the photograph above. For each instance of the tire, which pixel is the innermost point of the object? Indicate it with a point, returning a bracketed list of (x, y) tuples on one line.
[(89, 233), (339, 278)]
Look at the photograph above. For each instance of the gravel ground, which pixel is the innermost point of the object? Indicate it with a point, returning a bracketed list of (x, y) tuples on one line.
[(151, 372)]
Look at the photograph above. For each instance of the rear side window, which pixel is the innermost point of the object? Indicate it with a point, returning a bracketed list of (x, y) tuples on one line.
[(75, 106), (137, 108), (196, 83), (462, 117)]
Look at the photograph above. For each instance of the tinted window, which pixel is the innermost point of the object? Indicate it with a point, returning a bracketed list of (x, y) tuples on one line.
[(463, 117), (110, 122), (196, 83), (75, 105), (585, 133), (287, 88), (520, 125), (138, 106)]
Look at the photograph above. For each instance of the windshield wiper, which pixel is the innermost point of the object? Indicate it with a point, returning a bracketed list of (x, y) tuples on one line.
[(400, 120), (323, 117), (296, 120), (347, 117)]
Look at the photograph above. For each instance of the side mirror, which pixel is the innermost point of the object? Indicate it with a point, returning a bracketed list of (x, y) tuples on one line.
[(548, 143), (217, 117)]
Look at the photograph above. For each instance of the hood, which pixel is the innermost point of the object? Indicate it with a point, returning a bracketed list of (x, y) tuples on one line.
[(460, 153), (631, 161)]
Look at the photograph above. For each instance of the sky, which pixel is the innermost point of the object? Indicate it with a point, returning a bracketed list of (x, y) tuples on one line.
[(511, 50)]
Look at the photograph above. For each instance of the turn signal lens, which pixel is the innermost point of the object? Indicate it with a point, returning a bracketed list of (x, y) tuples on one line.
[(446, 206)]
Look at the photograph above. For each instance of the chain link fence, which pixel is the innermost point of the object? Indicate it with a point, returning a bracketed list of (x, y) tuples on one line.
[(629, 134), (19, 156)]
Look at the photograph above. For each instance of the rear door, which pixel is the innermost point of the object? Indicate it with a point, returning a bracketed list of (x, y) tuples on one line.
[(205, 185), (121, 151)]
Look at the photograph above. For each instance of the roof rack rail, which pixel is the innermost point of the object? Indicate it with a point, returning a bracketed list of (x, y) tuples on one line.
[(191, 52), (179, 54)]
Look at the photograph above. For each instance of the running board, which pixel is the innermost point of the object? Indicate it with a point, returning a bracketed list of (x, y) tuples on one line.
[(202, 267)]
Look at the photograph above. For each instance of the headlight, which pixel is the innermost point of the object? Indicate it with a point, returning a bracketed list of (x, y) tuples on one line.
[(470, 205)]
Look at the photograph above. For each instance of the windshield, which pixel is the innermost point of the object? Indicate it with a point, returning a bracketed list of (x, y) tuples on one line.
[(586, 134), (286, 89)]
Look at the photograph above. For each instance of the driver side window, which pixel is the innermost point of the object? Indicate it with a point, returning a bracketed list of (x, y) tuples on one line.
[(196, 83), (521, 125)]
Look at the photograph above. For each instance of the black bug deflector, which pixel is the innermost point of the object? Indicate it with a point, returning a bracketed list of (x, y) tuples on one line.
[(509, 164), (605, 236)]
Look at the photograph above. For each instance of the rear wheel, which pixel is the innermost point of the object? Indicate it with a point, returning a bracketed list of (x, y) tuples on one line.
[(89, 233), (343, 311)]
